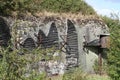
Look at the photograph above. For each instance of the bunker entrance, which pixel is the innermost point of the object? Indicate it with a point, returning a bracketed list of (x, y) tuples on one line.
[(53, 37), (29, 44), (72, 45), (42, 39), (4, 33)]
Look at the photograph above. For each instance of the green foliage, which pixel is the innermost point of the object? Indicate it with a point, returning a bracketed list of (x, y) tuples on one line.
[(75, 74), (74, 6), (114, 50), (16, 66), (13, 66), (7, 6), (96, 67), (98, 77)]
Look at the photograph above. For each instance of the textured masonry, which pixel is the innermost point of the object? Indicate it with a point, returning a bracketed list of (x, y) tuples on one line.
[(76, 39)]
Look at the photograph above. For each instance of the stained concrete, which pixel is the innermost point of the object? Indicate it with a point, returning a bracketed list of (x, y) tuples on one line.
[(87, 30)]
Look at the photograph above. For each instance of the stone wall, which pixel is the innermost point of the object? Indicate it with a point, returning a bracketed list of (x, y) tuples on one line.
[(74, 38)]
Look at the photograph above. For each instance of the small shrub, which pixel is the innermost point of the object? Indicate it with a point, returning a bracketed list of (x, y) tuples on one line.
[(96, 67), (33, 6), (75, 74), (113, 55), (13, 65)]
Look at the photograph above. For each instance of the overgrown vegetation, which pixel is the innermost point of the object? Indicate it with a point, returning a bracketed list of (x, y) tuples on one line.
[(98, 77), (75, 74), (17, 66), (22, 64), (74, 6), (33, 6), (114, 50), (13, 65), (96, 67)]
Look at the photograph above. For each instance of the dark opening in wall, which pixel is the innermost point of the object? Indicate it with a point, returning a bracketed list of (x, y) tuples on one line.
[(52, 37), (42, 39), (29, 44), (4, 33), (72, 43)]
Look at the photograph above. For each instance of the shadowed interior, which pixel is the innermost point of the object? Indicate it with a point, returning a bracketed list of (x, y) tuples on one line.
[(72, 43), (4, 33)]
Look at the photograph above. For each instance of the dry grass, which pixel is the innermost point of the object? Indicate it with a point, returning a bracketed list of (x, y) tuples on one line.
[(89, 77), (56, 15), (98, 77), (66, 15), (46, 17), (58, 77)]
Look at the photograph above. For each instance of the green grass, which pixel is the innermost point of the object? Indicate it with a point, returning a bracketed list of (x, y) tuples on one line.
[(58, 77), (98, 77), (89, 77)]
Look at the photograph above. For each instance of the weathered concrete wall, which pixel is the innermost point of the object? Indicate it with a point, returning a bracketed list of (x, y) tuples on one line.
[(89, 42), (77, 39)]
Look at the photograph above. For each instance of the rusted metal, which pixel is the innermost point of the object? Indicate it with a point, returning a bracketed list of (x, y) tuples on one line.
[(105, 41), (100, 62)]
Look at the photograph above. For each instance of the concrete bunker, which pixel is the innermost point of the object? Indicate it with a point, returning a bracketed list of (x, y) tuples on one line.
[(91, 44), (80, 39)]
